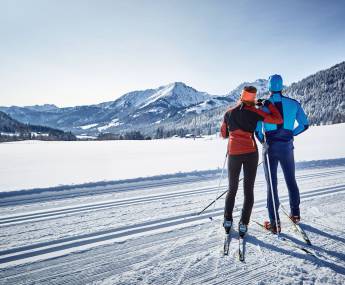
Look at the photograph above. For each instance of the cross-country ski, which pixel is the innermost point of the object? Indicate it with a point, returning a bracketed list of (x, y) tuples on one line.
[(241, 248), (285, 240), (297, 227), (227, 241)]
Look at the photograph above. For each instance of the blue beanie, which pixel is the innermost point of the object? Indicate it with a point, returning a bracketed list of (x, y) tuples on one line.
[(275, 83)]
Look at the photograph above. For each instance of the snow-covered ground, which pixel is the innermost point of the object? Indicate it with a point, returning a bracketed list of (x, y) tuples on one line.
[(35, 164), (146, 231)]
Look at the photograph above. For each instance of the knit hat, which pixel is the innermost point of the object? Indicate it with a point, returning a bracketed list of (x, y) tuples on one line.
[(275, 83)]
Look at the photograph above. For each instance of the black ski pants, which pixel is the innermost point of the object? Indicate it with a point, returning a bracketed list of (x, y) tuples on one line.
[(250, 165)]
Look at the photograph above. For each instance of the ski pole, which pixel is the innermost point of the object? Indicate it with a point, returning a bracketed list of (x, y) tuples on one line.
[(220, 196), (214, 201), (220, 180), (221, 176), (271, 187)]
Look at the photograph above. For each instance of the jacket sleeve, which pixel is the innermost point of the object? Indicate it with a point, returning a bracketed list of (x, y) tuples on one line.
[(224, 130), (302, 121), (273, 117), (258, 132)]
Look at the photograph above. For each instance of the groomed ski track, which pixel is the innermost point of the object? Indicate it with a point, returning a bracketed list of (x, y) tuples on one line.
[(146, 232)]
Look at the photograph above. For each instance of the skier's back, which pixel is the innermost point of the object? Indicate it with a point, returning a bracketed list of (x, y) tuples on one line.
[(279, 139)]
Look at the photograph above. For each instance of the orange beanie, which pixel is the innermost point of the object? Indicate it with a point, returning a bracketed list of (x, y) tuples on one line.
[(248, 96)]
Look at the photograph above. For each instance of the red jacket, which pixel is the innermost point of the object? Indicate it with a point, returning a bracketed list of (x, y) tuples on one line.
[(239, 125)]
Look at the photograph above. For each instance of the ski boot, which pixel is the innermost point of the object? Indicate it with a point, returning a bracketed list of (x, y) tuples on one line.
[(242, 229), (272, 227), (295, 219), (227, 224)]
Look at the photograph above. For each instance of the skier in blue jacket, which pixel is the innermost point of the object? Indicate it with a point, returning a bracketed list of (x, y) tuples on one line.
[(278, 145)]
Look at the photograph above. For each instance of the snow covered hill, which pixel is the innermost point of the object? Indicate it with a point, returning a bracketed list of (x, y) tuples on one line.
[(260, 84), (175, 94), (45, 107), (322, 95), (145, 110), (11, 129)]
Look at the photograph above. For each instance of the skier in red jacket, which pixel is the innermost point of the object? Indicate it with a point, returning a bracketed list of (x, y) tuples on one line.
[(239, 125)]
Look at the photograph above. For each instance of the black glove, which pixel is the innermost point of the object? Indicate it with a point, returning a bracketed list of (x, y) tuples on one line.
[(262, 103)]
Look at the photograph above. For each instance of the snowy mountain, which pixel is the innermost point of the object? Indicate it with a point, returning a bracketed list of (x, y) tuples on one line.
[(322, 95), (208, 120), (45, 107), (175, 94), (135, 110), (176, 106), (260, 84), (148, 109)]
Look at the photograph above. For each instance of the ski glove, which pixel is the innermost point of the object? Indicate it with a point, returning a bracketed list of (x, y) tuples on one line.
[(262, 103)]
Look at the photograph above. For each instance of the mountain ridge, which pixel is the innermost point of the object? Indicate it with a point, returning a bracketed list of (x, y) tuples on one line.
[(177, 105)]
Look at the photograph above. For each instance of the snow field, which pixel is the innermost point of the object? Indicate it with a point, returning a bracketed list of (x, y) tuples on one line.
[(48, 164)]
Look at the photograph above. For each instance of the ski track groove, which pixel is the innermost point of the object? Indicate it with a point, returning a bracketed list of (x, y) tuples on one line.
[(238, 283), (125, 247), (82, 221), (77, 241), (89, 192), (114, 268), (175, 257), (332, 191), (3, 203), (102, 206), (179, 255), (134, 257), (92, 267)]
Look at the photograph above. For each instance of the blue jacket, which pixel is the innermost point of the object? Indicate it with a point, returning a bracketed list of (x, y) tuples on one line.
[(283, 134)]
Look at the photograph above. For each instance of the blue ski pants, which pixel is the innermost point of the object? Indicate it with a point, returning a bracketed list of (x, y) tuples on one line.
[(284, 156)]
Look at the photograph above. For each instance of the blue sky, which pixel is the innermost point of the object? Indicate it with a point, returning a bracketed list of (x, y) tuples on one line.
[(83, 52)]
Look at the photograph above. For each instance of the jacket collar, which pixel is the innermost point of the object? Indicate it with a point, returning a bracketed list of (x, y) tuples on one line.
[(276, 96)]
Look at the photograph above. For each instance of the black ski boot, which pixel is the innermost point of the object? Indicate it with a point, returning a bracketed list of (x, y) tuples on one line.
[(227, 224), (242, 229)]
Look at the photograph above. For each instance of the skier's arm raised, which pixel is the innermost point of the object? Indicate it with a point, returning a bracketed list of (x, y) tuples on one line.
[(273, 117)]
